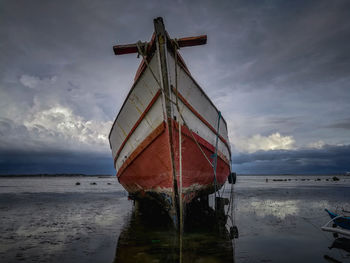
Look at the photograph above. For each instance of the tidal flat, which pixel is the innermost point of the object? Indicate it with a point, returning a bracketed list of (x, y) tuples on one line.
[(55, 219)]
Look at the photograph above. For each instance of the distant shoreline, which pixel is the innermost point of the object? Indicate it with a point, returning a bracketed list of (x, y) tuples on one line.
[(56, 175), (108, 175), (316, 174)]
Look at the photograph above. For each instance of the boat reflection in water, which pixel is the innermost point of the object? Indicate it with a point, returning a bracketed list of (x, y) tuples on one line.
[(342, 244), (149, 236)]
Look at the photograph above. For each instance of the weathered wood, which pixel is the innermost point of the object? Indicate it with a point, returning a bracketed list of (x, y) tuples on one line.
[(161, 42), (192, 41), (127, 49), (182, 42), (154, 99)]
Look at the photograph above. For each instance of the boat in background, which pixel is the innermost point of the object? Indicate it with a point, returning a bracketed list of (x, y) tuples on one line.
[(169, 142), (341, 221)]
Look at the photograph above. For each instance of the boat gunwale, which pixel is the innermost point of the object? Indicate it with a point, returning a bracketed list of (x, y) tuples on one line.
[(141, 147), (185, 68), (137, 123), (202, 119), (136, 81), (335, 215)]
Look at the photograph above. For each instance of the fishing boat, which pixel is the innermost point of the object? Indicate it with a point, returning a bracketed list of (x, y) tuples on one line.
[(169, 141), (341, 221)]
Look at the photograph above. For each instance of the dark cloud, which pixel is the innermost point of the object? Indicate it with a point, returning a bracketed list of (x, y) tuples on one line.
[(51, 162), (345, 124), (328, 159), (270, 66)]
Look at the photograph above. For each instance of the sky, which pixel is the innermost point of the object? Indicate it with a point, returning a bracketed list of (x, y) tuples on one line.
[(279, 71)]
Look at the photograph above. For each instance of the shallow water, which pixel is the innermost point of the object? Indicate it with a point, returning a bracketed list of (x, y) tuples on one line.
[(279, 221), (52, 219)]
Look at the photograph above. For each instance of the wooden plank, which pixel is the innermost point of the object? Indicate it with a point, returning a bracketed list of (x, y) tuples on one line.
[(154, 99), (183, 42), (142, 146), (127, 49), (192, 41), (199, 116), (203, 142)]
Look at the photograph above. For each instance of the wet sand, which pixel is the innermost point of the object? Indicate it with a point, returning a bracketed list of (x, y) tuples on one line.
[(55, 220), (279, 221)]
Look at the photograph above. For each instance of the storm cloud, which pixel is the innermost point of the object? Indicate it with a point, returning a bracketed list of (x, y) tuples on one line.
[(58, 162), (278, 71), (327, 159)]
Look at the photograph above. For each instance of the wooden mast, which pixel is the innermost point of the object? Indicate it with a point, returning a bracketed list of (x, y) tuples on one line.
[(161, 42)]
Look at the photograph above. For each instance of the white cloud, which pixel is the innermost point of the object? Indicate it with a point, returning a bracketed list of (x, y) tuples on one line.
[(317, 145), (60, 113), (275, 141), (34, 82), (55, 128), (62, 125)]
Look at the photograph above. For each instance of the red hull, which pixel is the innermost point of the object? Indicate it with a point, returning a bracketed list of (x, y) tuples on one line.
[(197, 172), (148, 171)]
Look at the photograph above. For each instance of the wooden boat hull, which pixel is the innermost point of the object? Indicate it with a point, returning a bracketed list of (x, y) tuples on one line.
[(197, 172), (149, 173), (145, 135)]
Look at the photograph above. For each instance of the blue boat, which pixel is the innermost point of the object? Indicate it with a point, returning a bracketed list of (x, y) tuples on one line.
[(343, 222), (339, 220)]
